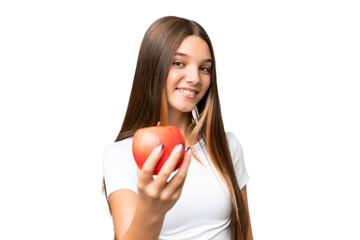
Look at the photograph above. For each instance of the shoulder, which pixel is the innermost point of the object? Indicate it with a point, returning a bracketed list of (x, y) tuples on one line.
[(231, 138), (237, 157), (234, 145), (123, 146), (118, 151)]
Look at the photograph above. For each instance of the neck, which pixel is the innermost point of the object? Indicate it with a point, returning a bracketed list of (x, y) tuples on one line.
[(180, 120)]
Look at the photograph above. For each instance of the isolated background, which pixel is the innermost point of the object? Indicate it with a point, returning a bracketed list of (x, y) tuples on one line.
[(288, 74)]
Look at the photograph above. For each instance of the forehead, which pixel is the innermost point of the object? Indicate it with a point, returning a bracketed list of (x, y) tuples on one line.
[(194, 46)]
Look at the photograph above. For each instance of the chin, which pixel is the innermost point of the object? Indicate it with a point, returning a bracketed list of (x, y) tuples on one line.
[(182, 106), (186, 109)]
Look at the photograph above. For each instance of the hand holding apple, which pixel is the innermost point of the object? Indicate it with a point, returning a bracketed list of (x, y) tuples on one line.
[(146, 139)]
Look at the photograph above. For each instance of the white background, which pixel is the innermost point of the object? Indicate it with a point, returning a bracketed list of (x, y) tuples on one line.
[(288, 74)]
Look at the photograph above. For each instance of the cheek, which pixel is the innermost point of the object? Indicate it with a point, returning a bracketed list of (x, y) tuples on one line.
[(206, 83), (205, 86), (173, 79)]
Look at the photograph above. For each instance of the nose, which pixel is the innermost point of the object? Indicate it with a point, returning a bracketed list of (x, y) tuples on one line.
[(192, 75)]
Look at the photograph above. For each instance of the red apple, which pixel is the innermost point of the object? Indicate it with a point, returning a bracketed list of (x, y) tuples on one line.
[(146, 139)]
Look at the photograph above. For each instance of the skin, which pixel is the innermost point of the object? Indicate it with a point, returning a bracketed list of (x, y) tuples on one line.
[(190, 70), (141, 216)]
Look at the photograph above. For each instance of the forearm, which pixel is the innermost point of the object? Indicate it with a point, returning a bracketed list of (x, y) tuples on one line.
[(144, 227)]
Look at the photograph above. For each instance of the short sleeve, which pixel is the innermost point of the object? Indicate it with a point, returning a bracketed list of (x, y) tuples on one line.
[(119, 167), (238, 159)]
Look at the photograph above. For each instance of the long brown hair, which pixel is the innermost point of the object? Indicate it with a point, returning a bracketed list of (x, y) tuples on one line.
[(148, 104)]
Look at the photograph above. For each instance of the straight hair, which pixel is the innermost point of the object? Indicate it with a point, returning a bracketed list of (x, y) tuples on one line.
[(148, 104)]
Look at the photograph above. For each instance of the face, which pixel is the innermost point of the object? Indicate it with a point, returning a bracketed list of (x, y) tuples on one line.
[(189, 75)]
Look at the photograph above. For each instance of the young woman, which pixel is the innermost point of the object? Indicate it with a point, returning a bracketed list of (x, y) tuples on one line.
[(175, 83)]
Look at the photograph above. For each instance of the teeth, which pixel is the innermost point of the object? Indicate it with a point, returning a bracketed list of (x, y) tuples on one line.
[(187, 92)]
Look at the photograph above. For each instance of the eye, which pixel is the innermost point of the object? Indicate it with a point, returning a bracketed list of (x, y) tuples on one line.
[(177, 63), (205, 69)]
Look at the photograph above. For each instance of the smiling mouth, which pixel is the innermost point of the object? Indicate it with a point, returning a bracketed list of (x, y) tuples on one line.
[(187, 92)]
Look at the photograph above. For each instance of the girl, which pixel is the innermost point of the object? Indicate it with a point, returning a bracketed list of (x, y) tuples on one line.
[(175, 82)]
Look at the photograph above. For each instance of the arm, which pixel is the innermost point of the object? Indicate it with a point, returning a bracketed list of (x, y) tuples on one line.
[(141, 216), (244, 195)]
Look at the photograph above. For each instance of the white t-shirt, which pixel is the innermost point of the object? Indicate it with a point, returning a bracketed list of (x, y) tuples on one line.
[(203, 209)]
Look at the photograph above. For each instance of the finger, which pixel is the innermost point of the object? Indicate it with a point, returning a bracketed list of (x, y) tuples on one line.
[(174, 186), (169, 165), (185, 164), (146, 172)]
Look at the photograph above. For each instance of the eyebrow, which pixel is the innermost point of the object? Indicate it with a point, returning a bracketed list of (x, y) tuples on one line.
[(185, 55)]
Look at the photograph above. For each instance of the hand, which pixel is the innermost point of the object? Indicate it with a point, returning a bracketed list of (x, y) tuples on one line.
[(157, 196)]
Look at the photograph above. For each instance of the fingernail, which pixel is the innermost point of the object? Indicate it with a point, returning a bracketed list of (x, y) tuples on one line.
[(179, 147), (159, 148), (188, 150)]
